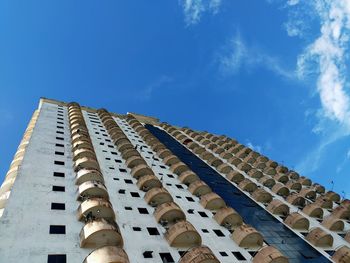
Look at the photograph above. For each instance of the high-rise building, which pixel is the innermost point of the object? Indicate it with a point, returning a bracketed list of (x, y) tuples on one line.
[(88, 185)]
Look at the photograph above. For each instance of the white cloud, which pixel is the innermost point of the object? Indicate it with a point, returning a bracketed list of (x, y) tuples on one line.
[(256, 148), (159, 83), (194, 9), (237, 55)]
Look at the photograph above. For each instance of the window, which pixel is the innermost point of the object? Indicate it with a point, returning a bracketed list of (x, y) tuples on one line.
[(108, 159), (223, 253), (190, 199), (59, 145), (136, 228), (147, 254), (142, 210), (59, 138), (218, 233), (121, 191), (116, 179), (57, 258), (153, 231), (205, 231), (128, 208), (59, 127), (202, 214), (55, 229), (59, 153), (58, 174), (162, 166), (58, 188), (59, 162), (170, 175), (101, 143), (128, 181), (238, 255), (118, 161), (58, 206), (122, 170), (60, 132), (166, 257), (111, 168), (59, 122), (115, 153), (134, 194), (179, 186), (179, 197), (190, 211)]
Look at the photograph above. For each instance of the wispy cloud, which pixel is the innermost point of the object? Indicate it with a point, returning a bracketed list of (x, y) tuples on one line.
[(254, 147), (238, 55), (159, 83), (194, 9)]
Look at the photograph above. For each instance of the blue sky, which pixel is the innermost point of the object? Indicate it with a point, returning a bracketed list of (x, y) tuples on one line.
[(273, 74)]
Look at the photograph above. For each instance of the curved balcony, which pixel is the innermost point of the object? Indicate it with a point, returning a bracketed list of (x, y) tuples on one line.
[(234, 161), (215, 162), (345, 203), (100, 232), (277, 207), (3, 198), (164, 153), (158, 146), (124, 146), (269, 254), (282, 178), (319, 238), (80, 137), (304, 181), (83, 152), (332, 196), (347, 236), (224, 168), (247, 236), (171, 159), (297, 221), (296, 199), (249, 160), (92, 189), (82, 144), (192, 145), (95, 208), (183, 234), (200, 254), (228, 218), (280, 189), (179, 168), (308, 193), (244, 167), (259, 165), (293, 175), (86, 163), (241, 154), (313, 210), (332, 223), (218, 150), (130, 153), (247, 185), (342, 255), (226, 155), (271, 163), (267, 181), (256, 174), (169, 213), (133, 161), (148, 182), (212, 201), (199, 188), (199, 150), (235, 177), (141, 170), (7, 185), (262, 159), (260, 195), (117, 135), (269, 171), (292, 185), (12, 173), (341, 212), (324, 202), (85, 175), (281, 169), (157, 196), (188, 177)]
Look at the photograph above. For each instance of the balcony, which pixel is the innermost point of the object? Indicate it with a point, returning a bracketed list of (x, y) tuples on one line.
[(99, 233), (282, 178), (267, 181), (341, 212), (133, 161), (324, 202), (83, 152), (342, 255), (3, 198), (157, 196), (277, 207), (297, 221), (148, 182), (280, 189), (292, 185), (199, 188), (249, 160), (141, 170), (200, 254), (183, 234), (271, 163), (169, 213), (158, 146), (129, 153), (318, 188), (260, 195), (254, 173), (293, 175), (199, 150), (164, 153), (262, 159), (332, 223), (228, 218), (281, 169), (304, 181), (212, 201), (247, 237), (7, 185), (192, 145), (269, 254), (247, 185), (244, 167), (86, 163), (332, 196), (226, 155), (224, 168), (215, 162), (234, 161), (269, 171), (320, 238), (82, 144), (313, 210), (308, 193), (171, 159), (259, 165), (95, 208), (124, 145), (179, 168), (85, 175), (92, 189), (296, 199), (188, 177)]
